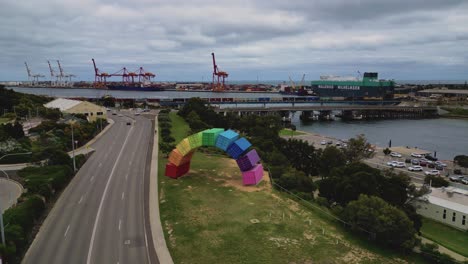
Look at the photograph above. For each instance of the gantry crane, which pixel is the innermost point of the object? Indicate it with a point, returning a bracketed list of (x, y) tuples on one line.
[(64, 79), (100, 78), (52, 75), (33, 78), (220, 77)]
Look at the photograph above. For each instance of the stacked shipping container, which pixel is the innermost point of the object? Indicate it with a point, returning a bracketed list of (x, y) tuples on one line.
[(180, 157)]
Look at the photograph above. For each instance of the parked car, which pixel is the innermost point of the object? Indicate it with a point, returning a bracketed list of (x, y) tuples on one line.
[(329, 142), (395, 154), (338, 144), (432, 172), (392, 163), (129, 123), (114, 113), (416, 155), (407, 160), (440, 163), (415, 161), (400, 164), (431, 158), (456, 178), (323, 142), (431, 165), (415, 168), (457, 171), (439, 167), (465, 180), (423, 163)]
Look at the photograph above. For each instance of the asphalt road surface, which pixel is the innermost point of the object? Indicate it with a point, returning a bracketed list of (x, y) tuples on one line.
[(102, 216)]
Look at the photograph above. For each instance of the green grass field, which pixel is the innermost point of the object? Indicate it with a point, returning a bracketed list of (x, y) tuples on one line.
[(208, 216), (289, 132), (446, 236)]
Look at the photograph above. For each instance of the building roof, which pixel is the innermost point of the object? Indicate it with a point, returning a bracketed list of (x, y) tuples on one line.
[(450, 198), (444, 91), (62, 104)]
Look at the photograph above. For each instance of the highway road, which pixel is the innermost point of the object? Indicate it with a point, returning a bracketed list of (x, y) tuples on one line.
[(102, 216)]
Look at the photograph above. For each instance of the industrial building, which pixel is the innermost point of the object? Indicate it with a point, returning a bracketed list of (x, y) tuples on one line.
[(90, 110), (446, 205)]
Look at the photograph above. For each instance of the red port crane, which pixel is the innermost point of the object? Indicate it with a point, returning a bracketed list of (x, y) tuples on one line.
[(144, 76), (33, 78), (220, 77), (100, 78)]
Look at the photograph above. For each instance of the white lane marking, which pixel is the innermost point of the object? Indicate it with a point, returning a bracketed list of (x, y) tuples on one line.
[(126, 177), (100, 164), (123, 195), (90, 251), (120, 223), (68, 227), (130, 163), (92, 178), (81, 199)]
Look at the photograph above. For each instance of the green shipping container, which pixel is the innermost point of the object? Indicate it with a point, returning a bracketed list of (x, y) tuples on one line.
[(209, 136)]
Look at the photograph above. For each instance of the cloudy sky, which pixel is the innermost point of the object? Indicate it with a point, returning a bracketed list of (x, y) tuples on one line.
[(264, 39)]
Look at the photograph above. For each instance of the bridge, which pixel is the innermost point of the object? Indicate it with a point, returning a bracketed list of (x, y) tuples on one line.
[(329, 111)]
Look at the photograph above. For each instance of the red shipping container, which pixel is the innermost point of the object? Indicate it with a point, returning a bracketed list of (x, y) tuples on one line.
[(174, 171)]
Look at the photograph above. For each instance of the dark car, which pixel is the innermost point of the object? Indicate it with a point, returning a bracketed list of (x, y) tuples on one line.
[(407, 160), (423, 163), (457, 171), (431, 165), (415, 161), (129, 123), (429, 157), (439, 167)]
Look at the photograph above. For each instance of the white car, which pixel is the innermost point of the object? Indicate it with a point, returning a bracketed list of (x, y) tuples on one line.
[(432, 172), (395, 154), (415, 168), (440, 163), (323, 142), (400, 164), (392, 163), (416, 155)]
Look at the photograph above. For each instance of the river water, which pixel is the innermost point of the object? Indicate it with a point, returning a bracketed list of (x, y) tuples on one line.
[(447, 137)]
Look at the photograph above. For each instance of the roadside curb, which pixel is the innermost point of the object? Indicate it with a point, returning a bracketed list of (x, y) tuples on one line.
[(20, 187), (155, 219)]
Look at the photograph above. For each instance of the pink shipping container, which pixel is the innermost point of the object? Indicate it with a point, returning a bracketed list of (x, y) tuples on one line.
[(253, 176)]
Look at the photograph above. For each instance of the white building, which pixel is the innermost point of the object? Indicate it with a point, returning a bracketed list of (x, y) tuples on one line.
[(90, 110), (446, 205)]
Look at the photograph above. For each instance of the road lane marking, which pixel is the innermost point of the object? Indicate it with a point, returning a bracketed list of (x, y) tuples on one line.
[(100, 164), (130, 163), (120, 223), (68, 227), (90, 251), (123, 195), (92, 178), (81, 199), (126, 177)]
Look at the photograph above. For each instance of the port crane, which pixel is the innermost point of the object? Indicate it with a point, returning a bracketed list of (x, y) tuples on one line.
[(64, 79), (33, 78), (100, 78), (53, 76), (220, 76)]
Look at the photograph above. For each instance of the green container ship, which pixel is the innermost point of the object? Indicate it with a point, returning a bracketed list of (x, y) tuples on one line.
[(345, 88)]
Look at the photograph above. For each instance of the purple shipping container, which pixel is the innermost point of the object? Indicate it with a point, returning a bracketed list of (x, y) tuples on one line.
[(238, 148), (249, 160), (253, 176)]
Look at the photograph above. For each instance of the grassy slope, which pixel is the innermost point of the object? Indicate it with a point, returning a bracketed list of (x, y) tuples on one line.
[(287, 132), (446, 236), (207, 215), (4, 120)]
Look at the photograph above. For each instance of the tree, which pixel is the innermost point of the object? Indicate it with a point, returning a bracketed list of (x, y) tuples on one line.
[(166, 147), (387, 223), (358, 149), (436, 181), (387, 151), (331, 158), (461, 160)]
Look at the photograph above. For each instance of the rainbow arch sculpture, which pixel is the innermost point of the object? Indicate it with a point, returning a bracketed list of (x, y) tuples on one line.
[(229, 141)]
